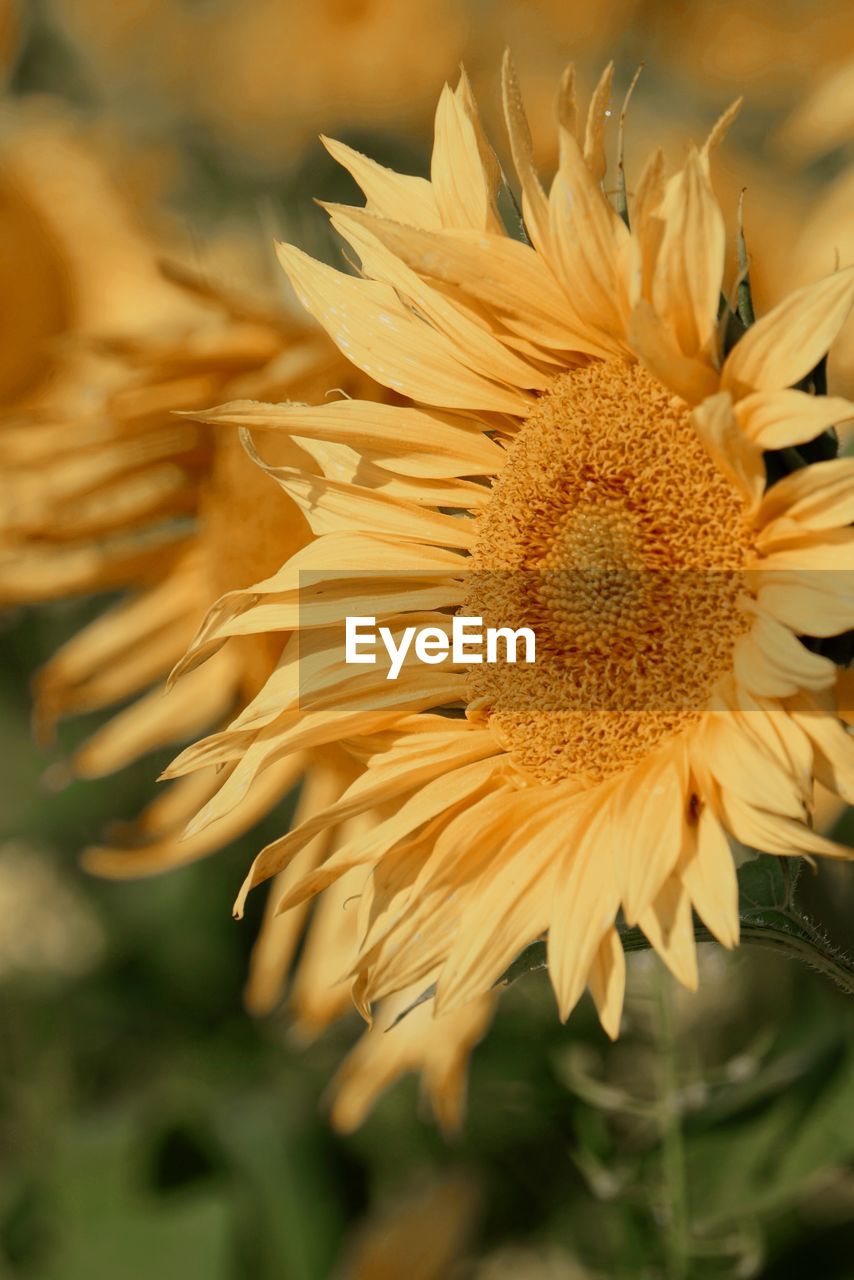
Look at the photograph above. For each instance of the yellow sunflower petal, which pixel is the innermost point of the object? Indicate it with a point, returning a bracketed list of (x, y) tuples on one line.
[(607, 981), (156, 720), (331, 506), (391, 195), (585, 897), (720, 129), (723, 438), (391, 776), (669, 926), (818, 602), (647, 225), (773, 728), (742, 768), (778, 419), (708, 872), (827, 549), (509, 909), (487, 268), (279, 936), (473, 344), (655, 347), (409, 441), (649, 803), (535, 207), (787, 343), (770, 661), (820, 496), (690, 260), (775, 833), (438, 1045), (597, 119), (322, 990), (172, 850), (373, 329), (588, 237), (434, 796), (463, 171), (834, 750)]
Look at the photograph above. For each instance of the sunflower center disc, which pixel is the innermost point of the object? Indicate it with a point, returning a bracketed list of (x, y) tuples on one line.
[(614, 536)]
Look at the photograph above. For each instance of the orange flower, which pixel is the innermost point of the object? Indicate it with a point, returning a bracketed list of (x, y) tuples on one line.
[(574, 413), (105, 487)]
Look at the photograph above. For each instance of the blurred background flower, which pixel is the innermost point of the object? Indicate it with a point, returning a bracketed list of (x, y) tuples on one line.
[(147, 1125), (50, 928)]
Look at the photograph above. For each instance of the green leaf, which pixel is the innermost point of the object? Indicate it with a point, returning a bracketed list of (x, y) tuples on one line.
[(783, 1150), (766, 887), (107, 1225)]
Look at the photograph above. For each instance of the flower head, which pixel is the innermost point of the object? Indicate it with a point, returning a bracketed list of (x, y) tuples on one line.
[(104, 487), (56, 202), (591, 446)]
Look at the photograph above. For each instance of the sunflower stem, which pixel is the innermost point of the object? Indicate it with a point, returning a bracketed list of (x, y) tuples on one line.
[(676, 1236), (813, 950)]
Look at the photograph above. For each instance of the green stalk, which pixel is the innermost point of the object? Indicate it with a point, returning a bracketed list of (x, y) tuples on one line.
[(815, 952), (674, 1185)]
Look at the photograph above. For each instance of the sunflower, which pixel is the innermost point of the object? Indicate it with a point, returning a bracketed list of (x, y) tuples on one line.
[(105, 488), (237, 524), (56, 201), (578, 450), (117, 492)]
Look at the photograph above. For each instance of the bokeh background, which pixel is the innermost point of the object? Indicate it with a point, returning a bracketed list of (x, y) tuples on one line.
[(149, 1126)]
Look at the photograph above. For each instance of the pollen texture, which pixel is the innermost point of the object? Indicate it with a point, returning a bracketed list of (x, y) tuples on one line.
[(612, 534)]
